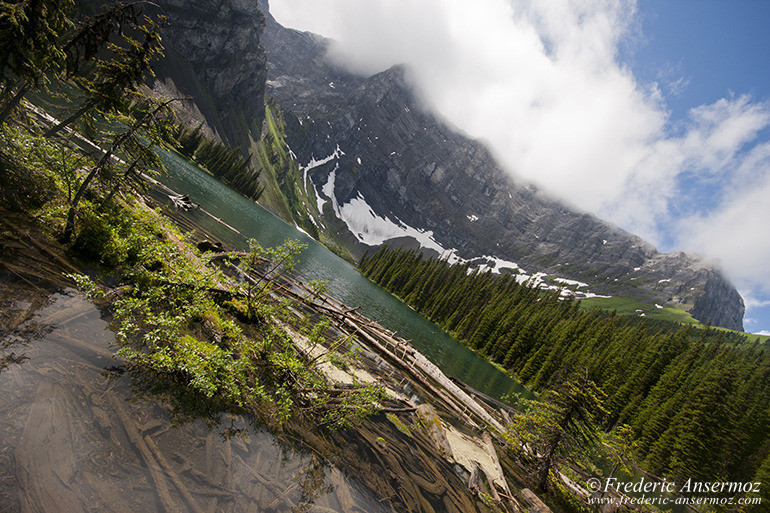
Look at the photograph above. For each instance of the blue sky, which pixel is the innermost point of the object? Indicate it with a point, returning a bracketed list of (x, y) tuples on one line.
[(655, 115), (706, 50), (714, 46)]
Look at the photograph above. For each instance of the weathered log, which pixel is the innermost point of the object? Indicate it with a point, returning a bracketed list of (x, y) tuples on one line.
[(283, 497), (435, 429), (412, 371), (20, 272), (161, 487), (254, 504), (109, 501), (227, 459), (22, 315), (183, 490), (503, 482), (492, 488), (474, 481), (433, 371), (481, 395), (271, 486), (44, 457), (205, 486), (79, 347), (53, 256), (342, 491), (397, 410), (533, 502)]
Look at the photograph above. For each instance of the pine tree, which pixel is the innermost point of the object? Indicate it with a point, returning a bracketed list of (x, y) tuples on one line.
[(561, 428), (136, 138), (119, 74), (31, 46)]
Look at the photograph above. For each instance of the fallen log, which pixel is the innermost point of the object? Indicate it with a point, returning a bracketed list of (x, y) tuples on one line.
[(481, 395), (161, 487), (474, 482), (414, 373), (45, 461), (183, 490), (20, 272), (342, 491), (503, 483), (271, 486)]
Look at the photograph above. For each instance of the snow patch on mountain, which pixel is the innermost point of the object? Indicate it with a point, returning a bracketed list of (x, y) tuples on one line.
[(495, 264), (575, 283), (317, 163), (328, 190), (374, 230)]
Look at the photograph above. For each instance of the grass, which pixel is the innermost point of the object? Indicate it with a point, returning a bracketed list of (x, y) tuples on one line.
[(632, 305), (284, 178), (750, 337), (272, 197), (284, 191)]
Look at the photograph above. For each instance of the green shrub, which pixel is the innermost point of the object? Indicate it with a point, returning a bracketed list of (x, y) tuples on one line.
[(98, 238)]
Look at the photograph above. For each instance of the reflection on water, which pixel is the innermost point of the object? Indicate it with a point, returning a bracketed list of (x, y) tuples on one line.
[(75, 437), (345, 282)]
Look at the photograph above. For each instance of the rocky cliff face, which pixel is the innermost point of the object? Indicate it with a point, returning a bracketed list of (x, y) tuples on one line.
[(376, 160), (214, 55)]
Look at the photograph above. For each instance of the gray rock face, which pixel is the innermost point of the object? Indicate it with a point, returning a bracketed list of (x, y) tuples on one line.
[(412, 169), (214, 55)]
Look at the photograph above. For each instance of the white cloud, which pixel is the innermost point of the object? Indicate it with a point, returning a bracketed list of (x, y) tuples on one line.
[(541, 82), (736, 231), (753, 302)]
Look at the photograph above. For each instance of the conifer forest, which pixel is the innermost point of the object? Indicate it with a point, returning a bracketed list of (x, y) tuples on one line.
[(697, 398)]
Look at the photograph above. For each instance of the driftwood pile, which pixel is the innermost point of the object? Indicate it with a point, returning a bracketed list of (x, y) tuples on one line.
[(398, 351), (182, 202), (383, 342)]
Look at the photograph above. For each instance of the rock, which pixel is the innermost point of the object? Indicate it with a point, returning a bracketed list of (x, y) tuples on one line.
[(214, 55)]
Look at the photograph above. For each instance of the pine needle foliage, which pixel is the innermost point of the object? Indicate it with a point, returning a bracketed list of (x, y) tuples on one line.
[(225, 163), (695, 398)]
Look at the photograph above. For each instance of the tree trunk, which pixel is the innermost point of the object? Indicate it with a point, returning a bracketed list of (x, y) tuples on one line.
[(115, 189), (542, 481), (69, 227), (119, 140), (62, 124), (543, 477), (13, 102)]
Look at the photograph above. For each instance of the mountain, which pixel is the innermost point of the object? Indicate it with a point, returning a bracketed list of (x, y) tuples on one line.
[(359, 161), (214, 56), (374, 158)]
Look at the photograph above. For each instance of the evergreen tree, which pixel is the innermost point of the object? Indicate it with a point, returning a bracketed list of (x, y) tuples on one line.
[(31, 35), (561, 428), (120, 73), (134, 139)]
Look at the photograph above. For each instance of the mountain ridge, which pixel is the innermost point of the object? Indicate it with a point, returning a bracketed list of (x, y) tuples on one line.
[(372, 164), (391, 164)]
